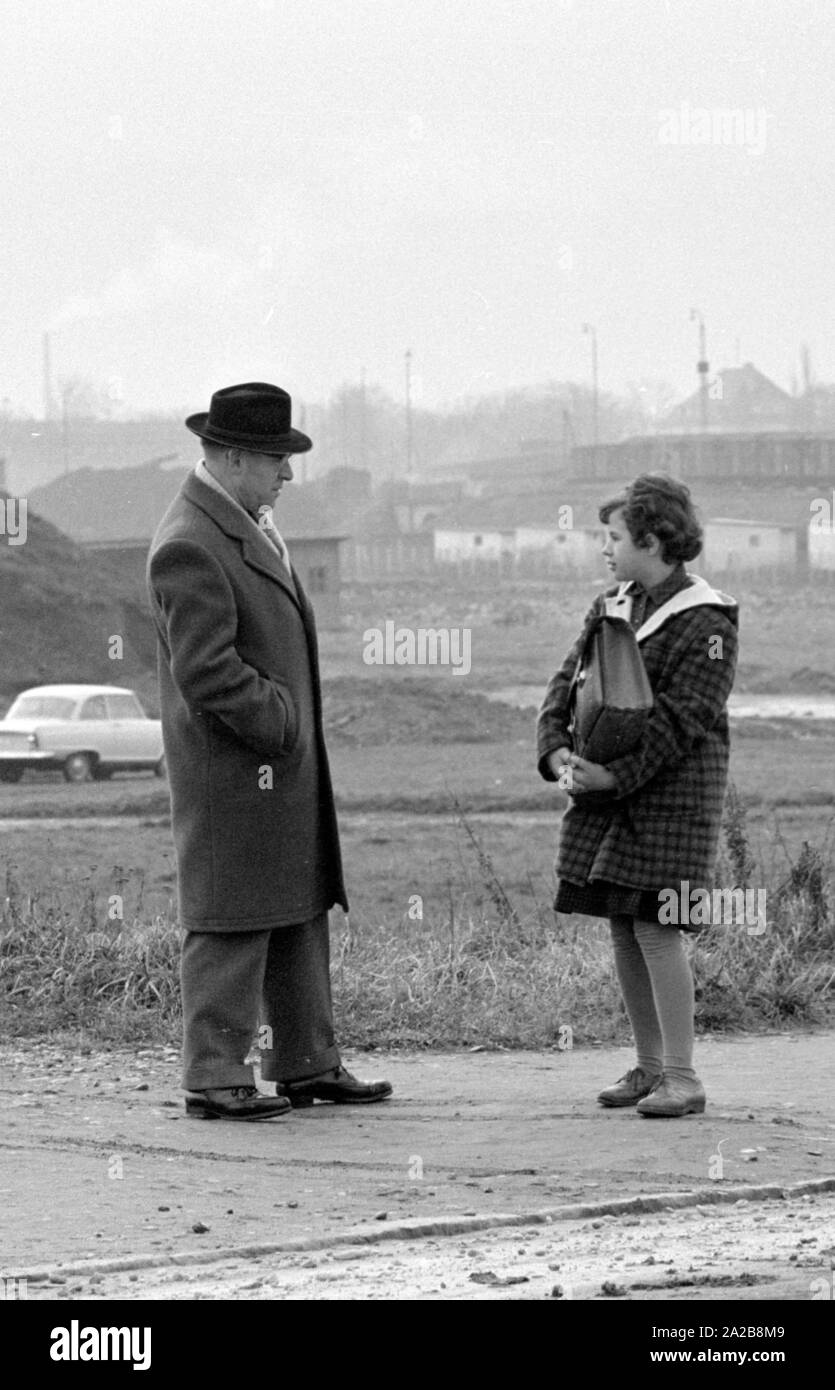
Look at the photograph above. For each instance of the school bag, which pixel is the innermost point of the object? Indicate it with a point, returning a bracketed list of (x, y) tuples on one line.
[(611, 697)]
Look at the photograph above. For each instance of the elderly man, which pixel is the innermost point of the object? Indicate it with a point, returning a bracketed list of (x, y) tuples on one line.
[(253, 818)]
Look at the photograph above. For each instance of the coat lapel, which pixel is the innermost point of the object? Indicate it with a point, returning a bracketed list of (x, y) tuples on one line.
[(259, 554), (698, 594)]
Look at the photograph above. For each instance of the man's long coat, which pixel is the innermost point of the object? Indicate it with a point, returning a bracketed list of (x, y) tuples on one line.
[(252, 807), (661, 823)]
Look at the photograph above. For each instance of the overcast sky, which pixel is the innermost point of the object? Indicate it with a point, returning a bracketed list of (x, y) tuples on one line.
[(198, 192)]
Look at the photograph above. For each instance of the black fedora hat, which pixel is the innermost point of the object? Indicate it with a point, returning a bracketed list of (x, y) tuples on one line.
[(254, 417)]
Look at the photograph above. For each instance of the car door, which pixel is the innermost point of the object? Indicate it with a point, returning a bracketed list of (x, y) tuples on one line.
[(95, 730), (135, 734)]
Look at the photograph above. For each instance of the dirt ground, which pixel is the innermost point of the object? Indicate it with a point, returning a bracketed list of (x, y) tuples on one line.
[(488, 1175)]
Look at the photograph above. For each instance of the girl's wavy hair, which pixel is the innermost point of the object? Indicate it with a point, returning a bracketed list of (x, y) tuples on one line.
[(656, 504)]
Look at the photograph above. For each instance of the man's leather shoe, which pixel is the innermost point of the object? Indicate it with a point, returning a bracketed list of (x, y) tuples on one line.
[(630, 1088), (338, 1086), (235, 1103), (673, 1096)]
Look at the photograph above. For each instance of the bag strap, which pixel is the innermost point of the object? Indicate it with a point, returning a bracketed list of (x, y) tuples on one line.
[(619, 605)]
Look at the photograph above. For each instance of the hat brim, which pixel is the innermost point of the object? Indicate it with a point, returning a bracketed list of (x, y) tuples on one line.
[(294, 442)]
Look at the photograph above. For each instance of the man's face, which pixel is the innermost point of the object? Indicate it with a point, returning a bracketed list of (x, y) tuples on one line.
[(259, 478)]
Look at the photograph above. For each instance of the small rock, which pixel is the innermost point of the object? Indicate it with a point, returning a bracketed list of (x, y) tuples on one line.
[(143, 1086), (557, 1291), (381, 1216), (200, 1228)]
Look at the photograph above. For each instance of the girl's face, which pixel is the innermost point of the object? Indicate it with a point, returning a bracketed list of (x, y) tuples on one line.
[(623, 557)]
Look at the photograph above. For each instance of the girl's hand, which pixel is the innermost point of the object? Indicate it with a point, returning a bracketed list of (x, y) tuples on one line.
[(558, 761), (590, 777)]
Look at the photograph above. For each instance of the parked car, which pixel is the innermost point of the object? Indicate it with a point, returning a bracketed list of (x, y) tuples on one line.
[(87, 731)]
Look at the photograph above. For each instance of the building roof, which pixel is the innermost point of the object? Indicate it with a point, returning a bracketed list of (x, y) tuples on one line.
[(739, 398)]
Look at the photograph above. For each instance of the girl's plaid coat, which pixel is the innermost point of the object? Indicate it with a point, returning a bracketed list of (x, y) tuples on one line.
[(661, 823)]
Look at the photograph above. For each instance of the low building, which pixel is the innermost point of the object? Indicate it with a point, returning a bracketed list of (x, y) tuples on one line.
[(115, 512), (316, 560), (386, 557), (787, 456), (822, 544), (543, 549), (732, 546), (464, 547)]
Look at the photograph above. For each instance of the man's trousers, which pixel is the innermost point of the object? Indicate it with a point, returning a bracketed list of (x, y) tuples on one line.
[(232, 982)]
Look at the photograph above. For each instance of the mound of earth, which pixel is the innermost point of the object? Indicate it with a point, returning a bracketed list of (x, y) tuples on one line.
[(369, 713), (59, 608)]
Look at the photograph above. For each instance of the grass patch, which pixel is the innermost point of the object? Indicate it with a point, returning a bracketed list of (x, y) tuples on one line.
[(453, 944)]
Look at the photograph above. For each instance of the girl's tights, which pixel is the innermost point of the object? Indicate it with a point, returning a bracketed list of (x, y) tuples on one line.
[(657, 984)]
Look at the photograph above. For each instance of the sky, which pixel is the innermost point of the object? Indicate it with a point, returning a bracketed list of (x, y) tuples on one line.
[(202, 192)]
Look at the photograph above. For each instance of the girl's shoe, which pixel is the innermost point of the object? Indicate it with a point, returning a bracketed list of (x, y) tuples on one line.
[(630, 1088), (673, 1096)]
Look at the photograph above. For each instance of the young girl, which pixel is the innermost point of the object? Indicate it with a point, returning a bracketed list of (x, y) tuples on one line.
[(650, 820)]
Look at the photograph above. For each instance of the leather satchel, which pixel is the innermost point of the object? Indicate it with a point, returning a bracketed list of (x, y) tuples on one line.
[(612, 696)]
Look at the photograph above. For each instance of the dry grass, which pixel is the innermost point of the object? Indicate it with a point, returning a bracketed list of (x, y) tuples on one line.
[(492, 976)]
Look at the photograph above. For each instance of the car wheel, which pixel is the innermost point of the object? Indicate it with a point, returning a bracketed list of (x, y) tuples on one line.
[(78, 768), (11, 774), (161, 768)]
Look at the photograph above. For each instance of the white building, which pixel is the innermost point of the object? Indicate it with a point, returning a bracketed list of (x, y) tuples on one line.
[(554, 548), (821, 545), (456, 545), (733, 545)]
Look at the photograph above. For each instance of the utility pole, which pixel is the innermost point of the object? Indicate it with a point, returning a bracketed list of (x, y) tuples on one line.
[(301, 457), (702, 367), (48, 400), (65, 429), (592, 332), (408, 360), (363, 422)]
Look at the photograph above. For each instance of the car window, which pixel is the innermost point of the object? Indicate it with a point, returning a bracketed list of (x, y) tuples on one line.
[(94, 708), (124, 707), (41, 707)]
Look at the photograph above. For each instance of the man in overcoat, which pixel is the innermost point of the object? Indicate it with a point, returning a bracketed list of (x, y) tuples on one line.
[(253, 819)]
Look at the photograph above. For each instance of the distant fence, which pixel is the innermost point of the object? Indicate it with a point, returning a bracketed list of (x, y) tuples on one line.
[(403, 556)]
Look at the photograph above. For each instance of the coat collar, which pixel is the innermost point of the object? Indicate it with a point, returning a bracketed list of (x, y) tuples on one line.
[(258, 552)]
